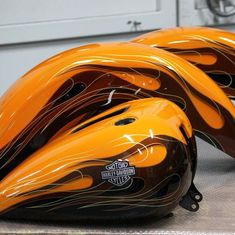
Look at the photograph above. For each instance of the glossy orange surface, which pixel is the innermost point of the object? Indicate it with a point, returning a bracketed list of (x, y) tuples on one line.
[(210, 49)]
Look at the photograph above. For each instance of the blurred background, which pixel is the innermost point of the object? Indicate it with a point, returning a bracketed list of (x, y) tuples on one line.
[(33, 30)]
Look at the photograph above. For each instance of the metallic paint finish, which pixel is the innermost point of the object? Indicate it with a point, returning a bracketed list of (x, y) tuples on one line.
[(63, 178), (211, 50), (77, 84)]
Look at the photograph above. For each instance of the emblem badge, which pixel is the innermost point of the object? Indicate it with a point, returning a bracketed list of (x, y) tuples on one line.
[(118, 173)]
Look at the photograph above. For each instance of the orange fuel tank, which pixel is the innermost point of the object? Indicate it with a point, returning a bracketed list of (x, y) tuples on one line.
[(135, 160)]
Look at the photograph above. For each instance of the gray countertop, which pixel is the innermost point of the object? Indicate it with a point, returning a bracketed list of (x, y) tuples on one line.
[(215, 179)]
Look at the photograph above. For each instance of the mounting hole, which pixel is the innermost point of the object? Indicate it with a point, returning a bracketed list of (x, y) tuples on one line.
[(194, 206), (125, 121)]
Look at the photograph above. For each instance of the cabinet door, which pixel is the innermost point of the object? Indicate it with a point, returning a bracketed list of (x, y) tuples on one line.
[(37, 20)]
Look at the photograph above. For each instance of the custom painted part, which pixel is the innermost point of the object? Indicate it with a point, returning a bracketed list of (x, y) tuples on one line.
[(211, 50), (80, 83), (134, 160)]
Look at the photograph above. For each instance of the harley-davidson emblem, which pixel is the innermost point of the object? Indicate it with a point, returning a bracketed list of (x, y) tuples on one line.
[(118, 173)]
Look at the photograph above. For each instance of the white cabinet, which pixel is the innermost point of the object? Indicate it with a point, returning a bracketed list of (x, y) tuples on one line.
[(38, 20)]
